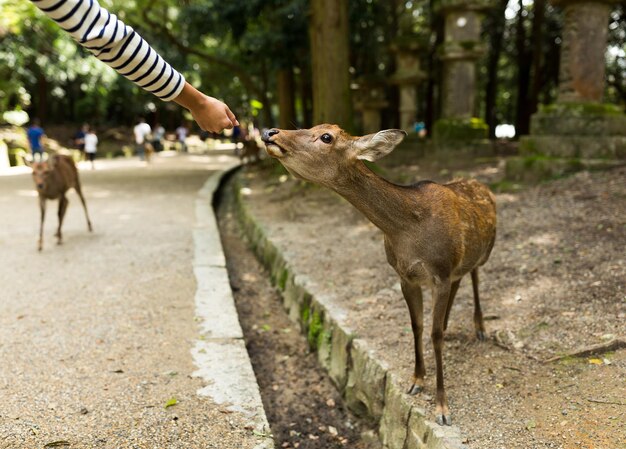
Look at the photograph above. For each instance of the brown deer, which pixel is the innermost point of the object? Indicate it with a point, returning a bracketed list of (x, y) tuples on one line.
[(53, 177), (434, 234)]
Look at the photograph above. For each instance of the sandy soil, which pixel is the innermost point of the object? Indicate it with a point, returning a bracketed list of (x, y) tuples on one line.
[(555, 282)]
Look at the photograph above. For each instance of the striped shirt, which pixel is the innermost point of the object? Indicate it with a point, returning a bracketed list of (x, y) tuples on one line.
[(116, 44)]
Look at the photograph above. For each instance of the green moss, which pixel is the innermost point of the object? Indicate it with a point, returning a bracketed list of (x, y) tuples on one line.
[(580, 109), (468, 45), (282, 280), (304, 315), (315, 330), (505, 186), (460, 129), (528, 145)]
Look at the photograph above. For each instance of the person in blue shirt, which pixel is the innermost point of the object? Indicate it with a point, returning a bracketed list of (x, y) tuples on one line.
[(34, 134)]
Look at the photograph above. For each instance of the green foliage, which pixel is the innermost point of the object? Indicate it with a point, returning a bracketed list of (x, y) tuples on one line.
[(233, 50)]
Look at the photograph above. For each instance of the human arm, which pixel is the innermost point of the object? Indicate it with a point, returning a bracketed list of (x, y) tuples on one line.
[(211, 114), (122, 48)]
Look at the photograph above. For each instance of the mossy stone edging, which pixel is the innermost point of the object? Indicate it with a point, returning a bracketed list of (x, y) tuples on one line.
[(447, 130), (365, 382)]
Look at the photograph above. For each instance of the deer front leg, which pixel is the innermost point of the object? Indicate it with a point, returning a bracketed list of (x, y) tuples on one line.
[(63, 202), (42, 208), (441, 296), (479, 324), (413, 297)]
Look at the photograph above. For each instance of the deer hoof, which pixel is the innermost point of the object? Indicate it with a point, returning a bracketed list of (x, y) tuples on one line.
[(415, 389), (481, 336), (443, 420)]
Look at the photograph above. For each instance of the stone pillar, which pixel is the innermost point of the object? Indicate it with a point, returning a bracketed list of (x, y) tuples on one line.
[(581, 76), (407, 77), (370, 102), (459, 53), (579, 128)]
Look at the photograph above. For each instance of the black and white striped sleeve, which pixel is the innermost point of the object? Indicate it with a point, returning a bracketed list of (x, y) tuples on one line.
[(116, 44)]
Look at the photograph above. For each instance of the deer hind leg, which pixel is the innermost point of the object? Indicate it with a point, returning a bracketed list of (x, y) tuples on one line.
[(63, 203), (453, 289), (82, 200), (42, 208), (441, 295), (479, 324), (413, 297)]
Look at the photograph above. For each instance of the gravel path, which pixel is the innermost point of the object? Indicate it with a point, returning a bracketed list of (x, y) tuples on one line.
[(95, 335)]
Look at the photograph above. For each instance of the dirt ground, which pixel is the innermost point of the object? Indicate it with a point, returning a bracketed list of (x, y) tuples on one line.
[(554, 283), (304, 409)]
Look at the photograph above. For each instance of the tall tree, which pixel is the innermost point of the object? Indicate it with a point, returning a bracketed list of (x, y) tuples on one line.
[(524, 60), (330, 62), (539, 10), (495, 24)]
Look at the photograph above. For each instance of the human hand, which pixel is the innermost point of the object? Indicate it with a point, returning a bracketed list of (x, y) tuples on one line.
[(210, 113)]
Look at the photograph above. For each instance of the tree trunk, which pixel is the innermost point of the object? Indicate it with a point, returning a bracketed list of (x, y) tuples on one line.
[(42, 97), (539, 8), (330, 62), (306, 97), (286, 99), (433, 87), (495, 51), (268, 120), (522, 120)]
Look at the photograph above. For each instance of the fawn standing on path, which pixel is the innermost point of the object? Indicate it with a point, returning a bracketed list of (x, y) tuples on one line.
[(53, 178), (434, 233)]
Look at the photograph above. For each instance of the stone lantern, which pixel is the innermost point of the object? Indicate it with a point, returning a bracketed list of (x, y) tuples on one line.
[(407, 77), (370, 101), (459, 53), (579, 125)]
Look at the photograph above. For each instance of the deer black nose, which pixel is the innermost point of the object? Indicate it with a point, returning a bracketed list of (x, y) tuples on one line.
[(269, 133), (40, 186)]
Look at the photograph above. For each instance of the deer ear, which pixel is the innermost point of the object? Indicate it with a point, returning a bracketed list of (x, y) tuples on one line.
[(375, 146)]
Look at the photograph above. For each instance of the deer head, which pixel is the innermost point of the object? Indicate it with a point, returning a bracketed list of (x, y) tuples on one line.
[(322, 153), (42, 167)]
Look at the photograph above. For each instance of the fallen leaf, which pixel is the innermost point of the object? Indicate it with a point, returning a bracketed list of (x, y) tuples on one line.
[(595, 361), (171, 402), (59, 443)]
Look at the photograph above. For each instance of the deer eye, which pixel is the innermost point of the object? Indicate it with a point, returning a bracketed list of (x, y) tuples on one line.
[(326, 138)]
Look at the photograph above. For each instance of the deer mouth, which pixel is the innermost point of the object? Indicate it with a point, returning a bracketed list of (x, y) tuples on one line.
[(275, 150)]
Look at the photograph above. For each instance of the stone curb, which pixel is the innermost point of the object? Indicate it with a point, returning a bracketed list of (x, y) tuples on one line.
[(371, 391), (220, 354)]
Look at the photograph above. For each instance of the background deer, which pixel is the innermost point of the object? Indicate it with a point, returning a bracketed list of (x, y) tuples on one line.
[(53, 178), (434, 234)]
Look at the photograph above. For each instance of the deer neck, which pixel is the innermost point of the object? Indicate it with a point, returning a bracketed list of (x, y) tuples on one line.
[(389, 206)]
